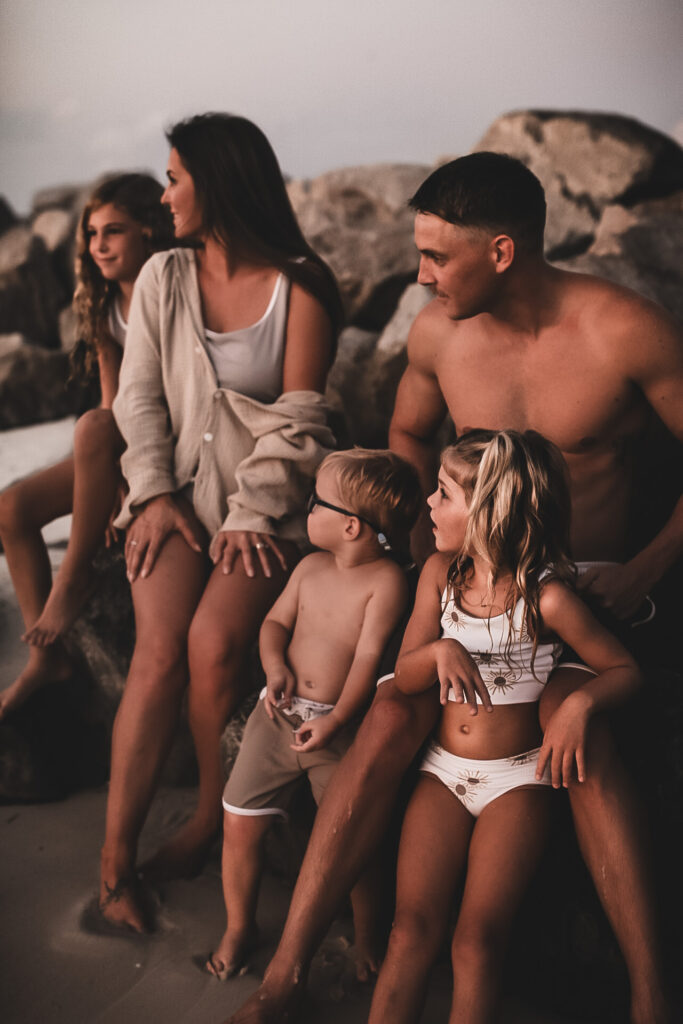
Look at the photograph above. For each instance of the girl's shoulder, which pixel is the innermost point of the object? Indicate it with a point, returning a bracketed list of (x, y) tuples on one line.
[(435, 571)]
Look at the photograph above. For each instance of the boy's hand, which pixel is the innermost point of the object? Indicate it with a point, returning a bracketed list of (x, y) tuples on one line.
[(316, 734), (280, 686), (457, 670), (564, 743)]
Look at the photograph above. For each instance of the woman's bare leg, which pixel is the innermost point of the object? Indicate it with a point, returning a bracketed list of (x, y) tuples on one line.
[(164, 604), (352, 817), (225, 626), (432, 856), (97, 447), (25, 508), (507, 843), (242, 868)]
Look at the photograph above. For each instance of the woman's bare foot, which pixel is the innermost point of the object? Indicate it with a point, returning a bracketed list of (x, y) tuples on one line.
[(231, 953), (51, 665), (61, 608), (186, 853), (119, 902)]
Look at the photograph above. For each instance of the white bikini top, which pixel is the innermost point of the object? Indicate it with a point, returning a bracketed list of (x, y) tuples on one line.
[(249, 360), (506, 673), (117, 325)]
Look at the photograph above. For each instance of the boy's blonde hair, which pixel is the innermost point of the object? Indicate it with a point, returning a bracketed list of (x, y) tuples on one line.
[(381, 487), (517, 491)]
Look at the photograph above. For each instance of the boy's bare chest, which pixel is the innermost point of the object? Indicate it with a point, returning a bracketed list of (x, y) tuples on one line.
[(333, 605)]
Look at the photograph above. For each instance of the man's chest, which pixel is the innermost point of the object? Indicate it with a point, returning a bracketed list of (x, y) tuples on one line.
[(578, 402)]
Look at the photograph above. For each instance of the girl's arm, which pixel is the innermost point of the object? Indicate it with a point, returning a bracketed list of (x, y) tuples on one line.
[(426, 656), (618, 677)]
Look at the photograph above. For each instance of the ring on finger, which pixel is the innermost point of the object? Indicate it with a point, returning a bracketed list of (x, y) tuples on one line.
[(259, 544), (133, 543)]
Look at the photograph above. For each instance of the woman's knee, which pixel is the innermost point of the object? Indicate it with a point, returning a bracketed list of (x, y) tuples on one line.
[(477, 945), (393, 727), (17, 512), (212, 649), (160, 661), (96, 435), (415, 933)]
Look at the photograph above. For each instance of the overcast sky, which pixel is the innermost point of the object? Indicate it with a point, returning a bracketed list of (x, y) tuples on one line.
[(89, 85)]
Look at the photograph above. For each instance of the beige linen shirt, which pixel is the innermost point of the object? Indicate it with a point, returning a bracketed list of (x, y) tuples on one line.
[(250, 464)]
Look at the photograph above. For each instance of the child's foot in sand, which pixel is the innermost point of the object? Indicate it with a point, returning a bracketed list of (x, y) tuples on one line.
[(368, 962), (61, 609), (51, 665), (119, 905), (231, 953), (185, 855)]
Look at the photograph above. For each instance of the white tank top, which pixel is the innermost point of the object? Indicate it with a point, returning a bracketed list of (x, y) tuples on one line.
[(117, 325), (250, 360), (506, 672)]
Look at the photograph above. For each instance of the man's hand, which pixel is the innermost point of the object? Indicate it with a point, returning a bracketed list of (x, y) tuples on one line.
[(151, 527), (459, 672), (621, 589), (564, 742), (280, 685), (228, 545), (316, 734)]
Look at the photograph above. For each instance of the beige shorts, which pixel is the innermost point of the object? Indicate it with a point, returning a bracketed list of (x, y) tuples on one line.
[(267, 771)]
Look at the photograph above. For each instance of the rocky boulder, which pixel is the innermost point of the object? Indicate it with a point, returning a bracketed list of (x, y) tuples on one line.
[(33, 383), (585, 162), (31, 294), (357, 219)]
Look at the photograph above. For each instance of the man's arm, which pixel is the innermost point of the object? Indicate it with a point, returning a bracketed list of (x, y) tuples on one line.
[(419, 411), (652, 348)]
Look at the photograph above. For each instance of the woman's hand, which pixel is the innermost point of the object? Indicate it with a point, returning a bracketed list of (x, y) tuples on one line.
[(228, 545), (111, 534), (151, 527), (564, 742), (458, 671)]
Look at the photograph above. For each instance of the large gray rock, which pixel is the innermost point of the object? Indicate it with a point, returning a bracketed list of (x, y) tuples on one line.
[(8, 217), (56, 228), (357, 219), (31, 293), (640, 248), (586, 161), (32, 383)]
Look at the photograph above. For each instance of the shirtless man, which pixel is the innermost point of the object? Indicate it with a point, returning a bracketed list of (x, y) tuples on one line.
[(512, 342)]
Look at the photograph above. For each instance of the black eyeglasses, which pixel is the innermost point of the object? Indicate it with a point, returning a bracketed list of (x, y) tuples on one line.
[(315, 500)]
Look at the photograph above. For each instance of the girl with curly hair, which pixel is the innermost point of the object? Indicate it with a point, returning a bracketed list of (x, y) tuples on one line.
[(122, 224)]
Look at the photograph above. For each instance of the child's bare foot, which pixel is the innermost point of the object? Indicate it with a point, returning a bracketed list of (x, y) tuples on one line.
[(185, 854), (51, 665), (368, 962), (231, 953), (61, 608)]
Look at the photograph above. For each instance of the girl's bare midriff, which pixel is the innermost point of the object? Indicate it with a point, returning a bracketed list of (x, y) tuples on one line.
[(504, 732)]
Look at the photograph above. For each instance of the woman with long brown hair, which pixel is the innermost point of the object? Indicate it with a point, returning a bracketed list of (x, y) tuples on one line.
[(221, 407), (121, 225)]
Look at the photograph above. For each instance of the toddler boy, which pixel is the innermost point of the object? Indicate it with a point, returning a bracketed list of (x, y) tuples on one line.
[(320, 647)]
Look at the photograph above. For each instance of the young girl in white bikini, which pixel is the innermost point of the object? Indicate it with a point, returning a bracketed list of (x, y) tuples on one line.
[(123, 222), (498, 588)]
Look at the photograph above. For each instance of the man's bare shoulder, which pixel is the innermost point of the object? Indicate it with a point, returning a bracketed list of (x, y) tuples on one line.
[(431, 329), (616, 312)]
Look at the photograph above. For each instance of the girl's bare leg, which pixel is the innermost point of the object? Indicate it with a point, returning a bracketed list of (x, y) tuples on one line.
[(365, 901), (507, 843), (432, 856), (242, 868), (24, 509), (164, 604), (97, 447), (225, 626)]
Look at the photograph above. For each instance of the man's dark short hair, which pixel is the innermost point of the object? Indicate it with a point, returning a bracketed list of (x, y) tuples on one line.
[(487, 190)]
